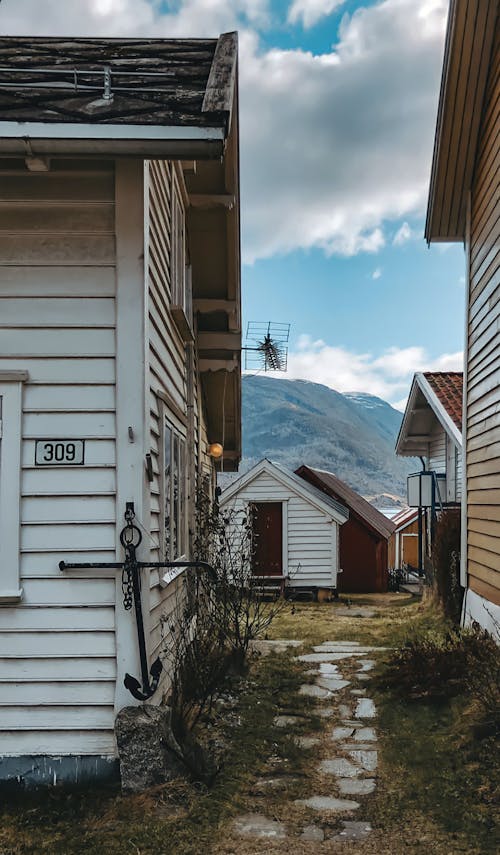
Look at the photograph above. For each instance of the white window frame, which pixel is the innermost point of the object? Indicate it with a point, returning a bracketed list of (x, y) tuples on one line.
[(11, 393), (182, 527), (180, 272)]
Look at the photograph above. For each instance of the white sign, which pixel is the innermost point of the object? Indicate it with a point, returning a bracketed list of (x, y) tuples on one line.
[(59, 452)]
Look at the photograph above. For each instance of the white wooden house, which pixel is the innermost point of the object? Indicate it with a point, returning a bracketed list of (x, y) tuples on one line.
[(119, 353), (432, 429), (296, 526), (464, 198)]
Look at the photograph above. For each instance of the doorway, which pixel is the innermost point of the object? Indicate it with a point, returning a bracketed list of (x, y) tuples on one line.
[(267, 525)]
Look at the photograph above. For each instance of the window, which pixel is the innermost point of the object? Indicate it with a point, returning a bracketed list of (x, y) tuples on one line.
[(182, 304), (10, 472), (174, 491)]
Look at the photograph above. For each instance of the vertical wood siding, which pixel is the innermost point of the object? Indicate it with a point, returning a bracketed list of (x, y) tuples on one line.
[(483, 375), (311, 548), (437, 451), (168, 374), (57, 321)]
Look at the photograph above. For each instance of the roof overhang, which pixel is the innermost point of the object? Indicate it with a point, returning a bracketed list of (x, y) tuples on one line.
[(468, 47), (339, 514), (214, 237), (422, 411), (44, 139)]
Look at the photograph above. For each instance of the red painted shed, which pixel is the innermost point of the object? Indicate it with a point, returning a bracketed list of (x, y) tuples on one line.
[(363, 538)]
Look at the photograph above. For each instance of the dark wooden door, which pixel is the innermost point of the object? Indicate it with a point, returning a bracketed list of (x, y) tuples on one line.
[(267, 538)]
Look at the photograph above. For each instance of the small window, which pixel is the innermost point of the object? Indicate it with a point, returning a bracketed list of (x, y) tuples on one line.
[(182, 304), (174, 491), (10, 489)]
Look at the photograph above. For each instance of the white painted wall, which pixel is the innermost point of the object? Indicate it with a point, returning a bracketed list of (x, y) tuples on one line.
[(311, 544), (57, 322)]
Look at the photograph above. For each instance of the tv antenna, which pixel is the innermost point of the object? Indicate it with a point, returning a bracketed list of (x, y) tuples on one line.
[(266, 347)]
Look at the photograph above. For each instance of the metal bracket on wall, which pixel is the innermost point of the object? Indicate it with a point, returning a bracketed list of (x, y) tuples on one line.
[(130, 538)]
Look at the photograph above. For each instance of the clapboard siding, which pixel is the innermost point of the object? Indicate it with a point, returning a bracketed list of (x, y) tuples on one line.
[(483, 373), (55, 742), (311, 547), (56, 669), (57, 321), (167, 374), (437, 451)]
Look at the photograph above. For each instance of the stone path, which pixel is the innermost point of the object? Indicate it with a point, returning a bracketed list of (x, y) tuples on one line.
[(348, 770)]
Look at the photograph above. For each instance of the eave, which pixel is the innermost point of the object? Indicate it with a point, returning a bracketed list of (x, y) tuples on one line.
[(412, 441), (469, 41), (39, 139)]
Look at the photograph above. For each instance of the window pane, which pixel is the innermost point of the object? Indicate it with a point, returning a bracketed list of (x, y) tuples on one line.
[(176, 497), (167, 484)]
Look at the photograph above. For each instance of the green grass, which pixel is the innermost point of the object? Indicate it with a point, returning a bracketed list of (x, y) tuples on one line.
[(69, 822), (396, 617), (436, 781), (433, 767)]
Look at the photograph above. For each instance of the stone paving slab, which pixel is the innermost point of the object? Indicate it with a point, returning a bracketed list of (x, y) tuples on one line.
[(367, 759), (328, 803), (358, 692), (365, 708), (325, 656), (341, 767), (332, 684), (356, 786), (328, 669), (312, 691), (367, 665), (258, 825), (339, 733), (365, 734), (336, 647)]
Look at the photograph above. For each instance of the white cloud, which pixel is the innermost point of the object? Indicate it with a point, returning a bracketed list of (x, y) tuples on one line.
[(336, 145), (309, 12), (377, 273), (387, 375), (332, 146), (403, 235)]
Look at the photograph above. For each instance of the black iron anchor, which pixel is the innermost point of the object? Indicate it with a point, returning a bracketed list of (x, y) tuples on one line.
[(130, 538)]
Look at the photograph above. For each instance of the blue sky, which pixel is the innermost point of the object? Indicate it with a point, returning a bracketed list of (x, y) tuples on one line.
[(338, 102)]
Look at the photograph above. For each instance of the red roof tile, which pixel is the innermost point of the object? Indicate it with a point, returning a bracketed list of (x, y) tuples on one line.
[(448, 388)]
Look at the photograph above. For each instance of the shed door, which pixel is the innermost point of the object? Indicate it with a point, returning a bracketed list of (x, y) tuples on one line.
[(410, 550), (268, 538)]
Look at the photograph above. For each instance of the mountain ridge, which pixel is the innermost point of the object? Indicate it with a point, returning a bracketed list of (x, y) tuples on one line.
[(299, 421)]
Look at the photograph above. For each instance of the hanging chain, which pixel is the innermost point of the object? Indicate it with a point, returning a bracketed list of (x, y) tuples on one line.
[(130, 538)]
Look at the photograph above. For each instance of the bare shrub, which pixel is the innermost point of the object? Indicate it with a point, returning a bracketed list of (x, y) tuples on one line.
[(214, 618), (437, 665), (446, 563)]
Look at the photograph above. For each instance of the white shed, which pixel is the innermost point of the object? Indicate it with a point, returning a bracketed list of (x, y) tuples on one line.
[(296, 526), (119, 353)]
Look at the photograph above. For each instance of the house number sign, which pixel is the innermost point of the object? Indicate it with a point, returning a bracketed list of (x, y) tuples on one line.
[(59, 452)]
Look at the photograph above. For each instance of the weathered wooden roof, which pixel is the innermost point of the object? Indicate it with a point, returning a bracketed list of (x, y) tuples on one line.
[(338, 490), (175, 82), (308, 491)]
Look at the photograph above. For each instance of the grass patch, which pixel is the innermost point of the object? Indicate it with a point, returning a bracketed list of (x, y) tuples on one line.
[(395, 617), (433, 767), (178, 817)]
